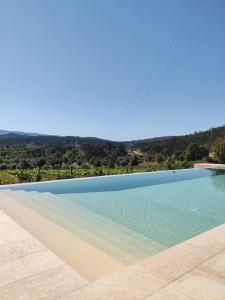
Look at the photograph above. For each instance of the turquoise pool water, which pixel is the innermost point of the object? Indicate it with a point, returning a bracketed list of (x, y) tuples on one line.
[(132, 217)]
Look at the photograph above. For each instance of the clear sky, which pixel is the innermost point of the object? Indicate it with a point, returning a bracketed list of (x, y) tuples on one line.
[(118, 69)]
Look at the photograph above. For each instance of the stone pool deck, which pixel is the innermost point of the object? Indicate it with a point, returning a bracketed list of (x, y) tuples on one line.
[(209, 166), (193, 270), (28, 270)]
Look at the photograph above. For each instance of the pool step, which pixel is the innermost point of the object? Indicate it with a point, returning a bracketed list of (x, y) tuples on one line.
[(49, 212), (109, 225), (91, 226), (129, 238)]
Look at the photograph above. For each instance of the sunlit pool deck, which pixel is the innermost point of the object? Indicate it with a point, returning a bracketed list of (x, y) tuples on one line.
[(194, 269)]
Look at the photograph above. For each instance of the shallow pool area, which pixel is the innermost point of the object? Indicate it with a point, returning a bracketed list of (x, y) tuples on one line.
[(131, 217)]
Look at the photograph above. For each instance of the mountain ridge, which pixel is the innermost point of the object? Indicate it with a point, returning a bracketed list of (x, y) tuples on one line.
[(16, 134), (21, 151), (5, 132)]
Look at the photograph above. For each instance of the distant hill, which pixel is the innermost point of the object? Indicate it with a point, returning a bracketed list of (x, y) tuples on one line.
[(21, 150), (12, 139), (168, 145), (165, 144), (3, 132)]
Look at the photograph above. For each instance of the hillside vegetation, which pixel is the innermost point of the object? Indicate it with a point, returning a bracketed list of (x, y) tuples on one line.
[(35, 158)]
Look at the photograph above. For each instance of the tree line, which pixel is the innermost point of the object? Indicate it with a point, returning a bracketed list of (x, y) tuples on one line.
[(23, 152)]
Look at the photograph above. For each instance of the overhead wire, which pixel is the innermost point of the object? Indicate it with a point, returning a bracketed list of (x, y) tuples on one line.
[(140, 92), (168, 74)]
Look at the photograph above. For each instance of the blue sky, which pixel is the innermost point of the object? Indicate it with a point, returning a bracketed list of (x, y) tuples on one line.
[(118, 69)]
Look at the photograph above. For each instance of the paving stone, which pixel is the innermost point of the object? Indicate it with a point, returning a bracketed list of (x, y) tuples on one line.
[(13, 235), (7, 224), (168, 293), (212, 241), (20, 248), (135, 282), (215, 266), (199, 285), (47, 285), (29, 265), (176, 261)]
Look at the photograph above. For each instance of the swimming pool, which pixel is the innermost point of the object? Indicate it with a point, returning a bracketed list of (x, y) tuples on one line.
[(131, 217)]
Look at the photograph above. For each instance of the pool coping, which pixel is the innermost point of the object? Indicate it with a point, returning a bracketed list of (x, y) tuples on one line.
[(209, 166)]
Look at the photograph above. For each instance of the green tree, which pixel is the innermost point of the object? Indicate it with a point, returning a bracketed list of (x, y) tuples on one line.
[(159, 158), (194, 152), (24, 164), (218, 149), (40, 162), (134, 160), (204, 152)]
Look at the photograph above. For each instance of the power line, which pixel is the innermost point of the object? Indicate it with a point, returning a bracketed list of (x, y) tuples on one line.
[(168, 75), (154, 68)]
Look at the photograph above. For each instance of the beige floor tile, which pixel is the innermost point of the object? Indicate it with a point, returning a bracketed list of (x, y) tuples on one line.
[(18, 249), (168, 293), (4, 217), (215, 266), (132, 283), (29, 265), (200, 285), (212, 241), (176, 261), (13, 235), (7, 224), (47, 285)]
